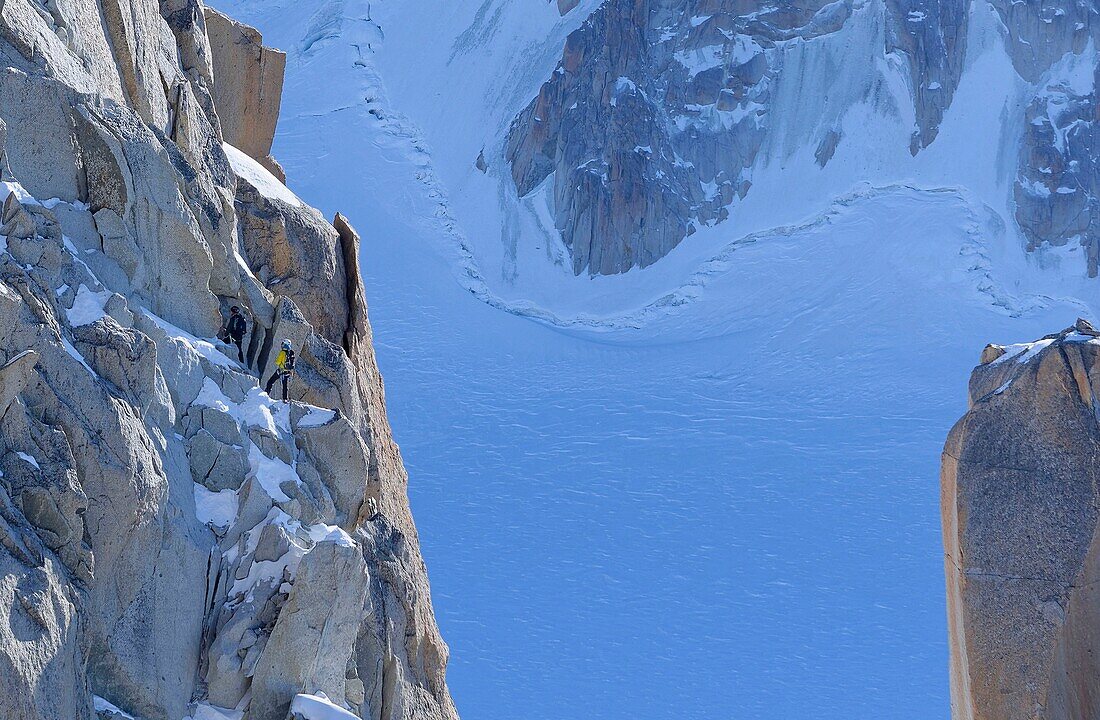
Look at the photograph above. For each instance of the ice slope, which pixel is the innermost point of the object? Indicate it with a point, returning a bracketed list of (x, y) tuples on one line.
[(705, 492)]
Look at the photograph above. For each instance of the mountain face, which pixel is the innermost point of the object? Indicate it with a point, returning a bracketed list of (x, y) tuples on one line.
[(652, 122), (173, 541), (1022, 532)]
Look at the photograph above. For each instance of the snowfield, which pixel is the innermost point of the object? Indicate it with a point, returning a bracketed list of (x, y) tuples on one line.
[(706, 489)]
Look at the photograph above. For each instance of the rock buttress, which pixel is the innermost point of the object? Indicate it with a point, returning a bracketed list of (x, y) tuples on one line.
[(1021, 526)]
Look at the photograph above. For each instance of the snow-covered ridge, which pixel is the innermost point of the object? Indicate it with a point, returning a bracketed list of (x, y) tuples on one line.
[(719, 75), (1023, 353), (1002, 365)]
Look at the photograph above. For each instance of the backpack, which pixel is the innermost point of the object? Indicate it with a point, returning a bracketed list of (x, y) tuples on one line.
[(289, 361), (237, 326)]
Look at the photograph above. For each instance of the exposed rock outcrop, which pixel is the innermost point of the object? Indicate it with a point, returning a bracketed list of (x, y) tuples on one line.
[(1040, 34), (1057, 189), (1021, 530), (248, 87), (169, 534)]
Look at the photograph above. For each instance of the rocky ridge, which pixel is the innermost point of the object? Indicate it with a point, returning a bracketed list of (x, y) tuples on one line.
[(1022, 533), (173, 541), (651, 123)]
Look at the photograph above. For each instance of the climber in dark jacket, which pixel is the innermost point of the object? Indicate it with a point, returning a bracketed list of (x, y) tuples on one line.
[(284, 366), (237, 328)]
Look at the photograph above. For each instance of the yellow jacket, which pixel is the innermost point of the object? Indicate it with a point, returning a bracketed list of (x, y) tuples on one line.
[(282, 361)]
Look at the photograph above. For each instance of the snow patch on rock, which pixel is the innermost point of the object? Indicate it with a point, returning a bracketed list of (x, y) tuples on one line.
[(259, 177), (318, 707), (218, 509)]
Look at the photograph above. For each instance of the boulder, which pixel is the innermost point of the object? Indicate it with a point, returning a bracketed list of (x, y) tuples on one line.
[(274, 542), (41, 148), (254, 505), (119, 311), (991, 353), (315, 636), (216, 421), (128, 360), (337, 451), (18, 223), (214, 464)]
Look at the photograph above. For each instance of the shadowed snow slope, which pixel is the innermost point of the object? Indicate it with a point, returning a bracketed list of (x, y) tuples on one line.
[(705, 489)]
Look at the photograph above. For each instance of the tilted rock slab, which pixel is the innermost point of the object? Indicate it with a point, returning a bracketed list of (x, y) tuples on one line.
[(1021, 528)]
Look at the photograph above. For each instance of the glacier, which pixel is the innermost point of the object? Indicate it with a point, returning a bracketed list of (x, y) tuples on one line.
[(707, 488)]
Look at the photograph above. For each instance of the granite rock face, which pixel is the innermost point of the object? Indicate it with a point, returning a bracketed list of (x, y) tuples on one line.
[(1022, 533), (248, 86), (1040, 34), (171, 536), (1057, 189), (931, 36), (651, 124)]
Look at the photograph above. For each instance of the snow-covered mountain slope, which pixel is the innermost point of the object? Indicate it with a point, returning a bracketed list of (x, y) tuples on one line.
[(654, 119), (461, 73), (660, 113), (863, 90), (706, 488)]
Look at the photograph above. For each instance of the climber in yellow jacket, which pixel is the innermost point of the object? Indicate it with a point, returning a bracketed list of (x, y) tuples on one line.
[(284, 366)]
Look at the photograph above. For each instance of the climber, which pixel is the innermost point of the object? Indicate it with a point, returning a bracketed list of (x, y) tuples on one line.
[(284, 366), (237, 327)]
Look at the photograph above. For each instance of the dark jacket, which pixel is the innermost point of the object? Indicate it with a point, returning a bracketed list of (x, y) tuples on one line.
[(237, 326)]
